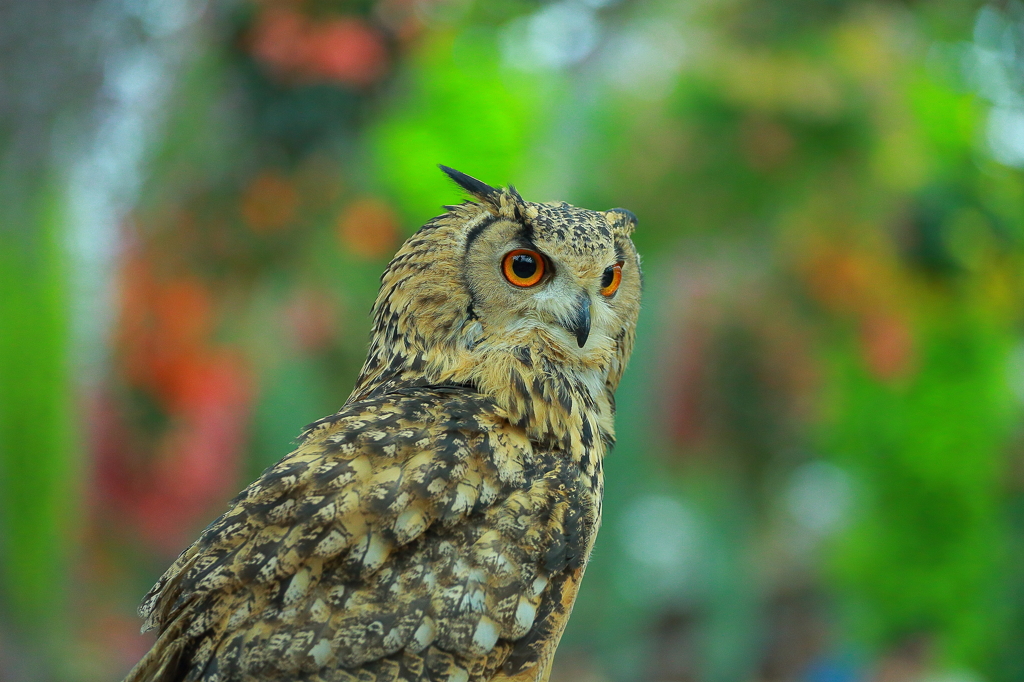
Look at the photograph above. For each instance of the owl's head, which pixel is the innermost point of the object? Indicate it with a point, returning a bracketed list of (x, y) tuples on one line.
[(567, 275), (500, 284)]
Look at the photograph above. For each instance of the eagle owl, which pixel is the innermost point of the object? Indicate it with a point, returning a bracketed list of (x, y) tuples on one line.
[(438, 526)]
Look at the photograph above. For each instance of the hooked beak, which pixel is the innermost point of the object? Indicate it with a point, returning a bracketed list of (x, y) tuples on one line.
[(578, 323)]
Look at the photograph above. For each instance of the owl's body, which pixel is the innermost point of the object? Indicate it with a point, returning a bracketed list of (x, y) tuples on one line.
[(438, 526)]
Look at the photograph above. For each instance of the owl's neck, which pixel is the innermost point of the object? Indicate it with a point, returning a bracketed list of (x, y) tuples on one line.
[(562, 402)]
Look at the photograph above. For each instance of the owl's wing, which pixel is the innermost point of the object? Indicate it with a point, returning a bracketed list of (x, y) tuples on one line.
[(413, 536)]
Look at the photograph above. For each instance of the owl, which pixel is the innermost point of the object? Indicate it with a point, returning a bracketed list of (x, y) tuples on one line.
[(438, 526)]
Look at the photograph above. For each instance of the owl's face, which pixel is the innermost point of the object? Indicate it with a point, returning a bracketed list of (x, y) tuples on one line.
[(479, 293), (567, 276)]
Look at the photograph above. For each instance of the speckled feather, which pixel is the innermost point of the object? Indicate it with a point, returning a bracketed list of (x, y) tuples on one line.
[(438, 526)]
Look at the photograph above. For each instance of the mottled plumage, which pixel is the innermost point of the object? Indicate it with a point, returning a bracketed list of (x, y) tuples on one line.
[(438, 526)]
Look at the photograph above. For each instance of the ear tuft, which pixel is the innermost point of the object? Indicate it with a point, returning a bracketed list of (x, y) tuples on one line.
[(622, 218), (478, 189)]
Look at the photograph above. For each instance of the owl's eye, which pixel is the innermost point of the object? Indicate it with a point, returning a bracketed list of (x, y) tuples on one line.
[(523, 267), (611, 279)]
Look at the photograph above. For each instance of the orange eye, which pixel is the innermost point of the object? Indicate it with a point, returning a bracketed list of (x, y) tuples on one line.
[(523, 267), (611, 279)]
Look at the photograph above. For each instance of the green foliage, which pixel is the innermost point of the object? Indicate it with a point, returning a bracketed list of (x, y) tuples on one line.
[(38, 457), (926, 548), (457, 107)]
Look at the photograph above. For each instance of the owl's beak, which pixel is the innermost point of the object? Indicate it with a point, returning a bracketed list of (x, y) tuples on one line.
[(578, 323)]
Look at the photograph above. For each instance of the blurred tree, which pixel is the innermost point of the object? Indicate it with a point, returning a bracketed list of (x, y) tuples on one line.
[(47, 77)]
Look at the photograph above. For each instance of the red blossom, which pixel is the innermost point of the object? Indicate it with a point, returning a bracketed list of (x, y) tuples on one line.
[(368, 228), (887, 345), (167, 475), (345, 49)]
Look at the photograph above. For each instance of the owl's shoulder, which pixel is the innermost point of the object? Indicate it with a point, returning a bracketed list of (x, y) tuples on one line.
[(454, 407)]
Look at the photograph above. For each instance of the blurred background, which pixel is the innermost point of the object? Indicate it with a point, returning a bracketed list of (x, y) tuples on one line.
[(820, 469)]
